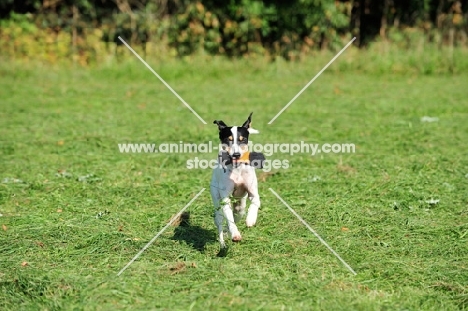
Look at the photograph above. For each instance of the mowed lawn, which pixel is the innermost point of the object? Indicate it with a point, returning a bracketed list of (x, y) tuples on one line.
[(74, 210)]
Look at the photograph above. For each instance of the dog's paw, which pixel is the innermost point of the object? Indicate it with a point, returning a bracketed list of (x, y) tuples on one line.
[(250, 222), (251, 218), (237, 238)]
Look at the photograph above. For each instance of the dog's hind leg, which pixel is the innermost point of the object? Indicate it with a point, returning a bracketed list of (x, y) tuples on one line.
[(239, 208)]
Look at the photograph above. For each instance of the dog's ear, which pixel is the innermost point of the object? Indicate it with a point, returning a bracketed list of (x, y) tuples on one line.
[(221, 125), (248, 122)]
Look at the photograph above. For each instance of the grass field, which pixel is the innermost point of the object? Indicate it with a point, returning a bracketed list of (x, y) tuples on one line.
[(74, 210)]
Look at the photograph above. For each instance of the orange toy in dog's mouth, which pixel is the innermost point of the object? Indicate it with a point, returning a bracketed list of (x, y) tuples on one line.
[(245, 158)]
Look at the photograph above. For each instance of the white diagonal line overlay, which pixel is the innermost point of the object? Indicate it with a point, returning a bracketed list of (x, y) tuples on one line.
[(162, 80), (311, 81), (315, 233), (160, 232)]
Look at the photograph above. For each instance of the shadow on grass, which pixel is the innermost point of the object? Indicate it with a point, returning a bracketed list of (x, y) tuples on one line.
[(195, 236)]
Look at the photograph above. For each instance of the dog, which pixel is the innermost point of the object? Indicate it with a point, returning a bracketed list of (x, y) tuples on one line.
[(234, 179)]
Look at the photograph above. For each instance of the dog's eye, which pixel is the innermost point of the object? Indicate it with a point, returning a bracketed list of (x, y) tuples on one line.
[(241, 138), (230, 138)]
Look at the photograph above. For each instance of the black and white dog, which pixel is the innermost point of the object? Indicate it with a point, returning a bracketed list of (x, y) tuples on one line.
[(234, 179)]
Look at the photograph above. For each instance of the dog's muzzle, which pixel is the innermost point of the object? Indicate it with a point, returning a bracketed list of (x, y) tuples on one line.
[(254, 159)]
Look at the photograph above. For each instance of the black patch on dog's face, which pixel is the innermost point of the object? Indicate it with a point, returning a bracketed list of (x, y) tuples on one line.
[(222, 127), (226, 136), (234, 138)]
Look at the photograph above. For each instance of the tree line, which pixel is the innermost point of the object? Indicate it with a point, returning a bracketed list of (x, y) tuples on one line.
[(237, 27)]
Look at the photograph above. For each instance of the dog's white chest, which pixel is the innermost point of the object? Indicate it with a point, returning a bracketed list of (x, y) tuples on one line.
[(228, 179), (237, 177)]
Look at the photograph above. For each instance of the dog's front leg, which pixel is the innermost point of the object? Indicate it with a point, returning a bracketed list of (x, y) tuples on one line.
[(252, 189), (253, 209), (219, 219), (227, 211), (218, 212)]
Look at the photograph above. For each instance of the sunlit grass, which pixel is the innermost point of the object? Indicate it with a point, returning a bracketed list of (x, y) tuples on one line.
[(74, 210)]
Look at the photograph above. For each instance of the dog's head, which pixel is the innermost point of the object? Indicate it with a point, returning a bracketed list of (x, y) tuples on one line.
[(235, 139)]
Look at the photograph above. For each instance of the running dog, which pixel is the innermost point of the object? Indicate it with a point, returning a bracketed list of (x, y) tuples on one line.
[(234, 179)]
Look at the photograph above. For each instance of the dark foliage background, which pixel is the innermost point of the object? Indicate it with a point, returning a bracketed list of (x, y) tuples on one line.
[(232, 28)]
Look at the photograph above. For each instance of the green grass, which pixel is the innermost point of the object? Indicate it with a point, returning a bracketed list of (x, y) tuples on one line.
[(75, 234)]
